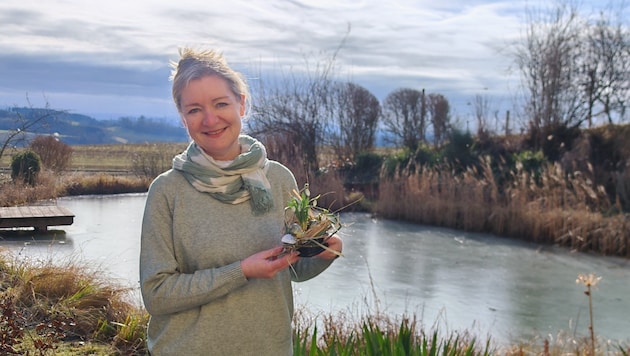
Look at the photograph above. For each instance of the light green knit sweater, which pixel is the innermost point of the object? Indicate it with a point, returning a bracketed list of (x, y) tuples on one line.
[(191, 281)]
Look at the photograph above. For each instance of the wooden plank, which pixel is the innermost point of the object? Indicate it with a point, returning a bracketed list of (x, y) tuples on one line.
[(39, 216)]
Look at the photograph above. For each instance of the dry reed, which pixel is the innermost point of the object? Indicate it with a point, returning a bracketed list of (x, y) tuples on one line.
[(83, 184), (18, 193), (71, 293), (555, 208)]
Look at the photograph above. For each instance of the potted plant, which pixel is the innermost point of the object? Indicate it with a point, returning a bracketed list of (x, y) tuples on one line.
[(308, 226)]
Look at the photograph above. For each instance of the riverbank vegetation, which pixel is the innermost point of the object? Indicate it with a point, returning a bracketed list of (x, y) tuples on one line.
[(70, 308), (522, 194), (66, 308), (497, 185)]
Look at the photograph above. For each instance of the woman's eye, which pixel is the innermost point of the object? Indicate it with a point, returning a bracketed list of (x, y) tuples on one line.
[(192, 111), (220, 105)]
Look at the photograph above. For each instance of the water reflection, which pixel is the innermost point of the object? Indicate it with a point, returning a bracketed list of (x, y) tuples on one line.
[(26, 237), (457, 280)]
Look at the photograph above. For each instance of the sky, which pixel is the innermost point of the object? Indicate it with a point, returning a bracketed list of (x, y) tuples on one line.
[(111, 58)]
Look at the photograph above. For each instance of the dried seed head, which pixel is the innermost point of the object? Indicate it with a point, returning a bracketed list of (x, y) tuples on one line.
[(589, 280)]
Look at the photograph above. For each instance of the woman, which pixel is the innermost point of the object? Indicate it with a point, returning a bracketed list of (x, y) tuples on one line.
[(213, 274)]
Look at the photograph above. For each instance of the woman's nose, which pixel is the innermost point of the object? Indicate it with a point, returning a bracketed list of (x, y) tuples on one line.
[(210, 117)]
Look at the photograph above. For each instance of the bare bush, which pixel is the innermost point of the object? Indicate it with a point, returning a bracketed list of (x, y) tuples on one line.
[(55, 155), (151, 162)]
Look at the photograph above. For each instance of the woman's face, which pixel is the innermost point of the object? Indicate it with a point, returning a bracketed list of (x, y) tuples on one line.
[(212, 115)]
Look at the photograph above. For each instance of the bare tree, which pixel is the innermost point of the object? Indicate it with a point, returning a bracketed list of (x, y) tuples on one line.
[(298, 106), (572, 69), (25, 124), (605, 69), (547, 60), (439, 110), (357, 111), (481, 110), (404, 116), (150, 161)]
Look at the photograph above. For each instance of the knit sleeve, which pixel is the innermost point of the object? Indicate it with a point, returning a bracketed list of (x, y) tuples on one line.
[(165, 289)]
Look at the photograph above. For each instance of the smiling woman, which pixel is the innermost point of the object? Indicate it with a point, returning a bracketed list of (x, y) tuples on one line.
[(210, 270)]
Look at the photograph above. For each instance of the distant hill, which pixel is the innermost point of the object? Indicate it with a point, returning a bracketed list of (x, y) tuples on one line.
[(77, 129)]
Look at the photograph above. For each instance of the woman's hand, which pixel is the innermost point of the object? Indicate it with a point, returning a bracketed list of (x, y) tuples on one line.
[(265, 264), (335, 244)]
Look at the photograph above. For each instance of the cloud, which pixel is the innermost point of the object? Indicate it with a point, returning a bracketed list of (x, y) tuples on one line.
[(120, 49)]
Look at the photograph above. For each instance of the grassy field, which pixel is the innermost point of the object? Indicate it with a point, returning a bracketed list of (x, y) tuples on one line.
[(94, 169), (115, 158)]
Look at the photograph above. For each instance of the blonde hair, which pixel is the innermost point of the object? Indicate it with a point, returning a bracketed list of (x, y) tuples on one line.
[(196, 64)]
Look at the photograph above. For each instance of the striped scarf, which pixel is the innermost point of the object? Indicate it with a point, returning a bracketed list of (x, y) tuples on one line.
[(240, 180)]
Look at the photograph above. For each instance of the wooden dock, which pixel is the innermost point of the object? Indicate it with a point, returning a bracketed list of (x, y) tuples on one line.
[(38, 216)]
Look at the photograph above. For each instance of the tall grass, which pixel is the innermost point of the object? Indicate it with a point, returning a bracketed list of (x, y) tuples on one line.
[(51, 185), (104, 184), (378, 334), (66, 301), (553, 208), (18, 193)]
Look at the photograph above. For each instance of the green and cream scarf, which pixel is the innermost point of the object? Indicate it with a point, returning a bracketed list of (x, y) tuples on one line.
[(232, 182)]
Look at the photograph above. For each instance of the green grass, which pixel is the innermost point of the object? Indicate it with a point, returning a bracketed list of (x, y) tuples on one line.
[(370, 339)]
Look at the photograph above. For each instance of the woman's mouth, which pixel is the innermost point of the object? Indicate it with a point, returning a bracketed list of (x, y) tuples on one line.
[(215, 132)]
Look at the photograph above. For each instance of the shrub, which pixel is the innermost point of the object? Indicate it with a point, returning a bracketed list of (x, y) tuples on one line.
[(26, 166), (426, 156), (365, 169), (395, 162), (459, 151), (530, 162), (152, 161), (55, 155), (554, 140)]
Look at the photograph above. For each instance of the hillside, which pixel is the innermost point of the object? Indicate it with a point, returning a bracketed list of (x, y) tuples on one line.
[(78, 129)]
